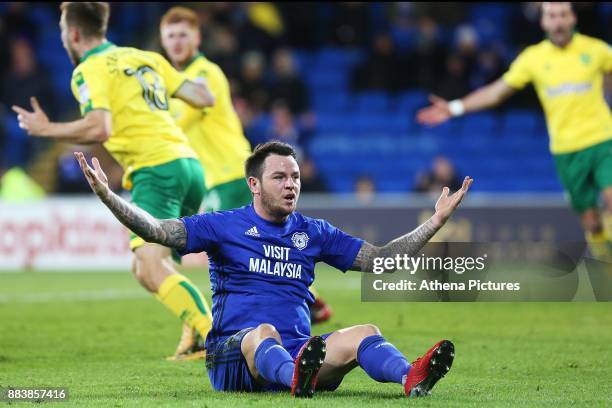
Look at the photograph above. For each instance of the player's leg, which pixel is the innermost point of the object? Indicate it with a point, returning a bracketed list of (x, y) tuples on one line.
[(607, 216), (577, 172), (269, 362), (227, 196), (154, 268), (595, 234), (600, 268), (320, 311), (160, 190), (357, 345), (192, 343), (603, 180), (226, 367), (364, 346)]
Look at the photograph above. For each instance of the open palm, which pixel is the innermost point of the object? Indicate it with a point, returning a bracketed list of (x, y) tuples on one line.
[(95, 176), (434, 114), (446, 204)]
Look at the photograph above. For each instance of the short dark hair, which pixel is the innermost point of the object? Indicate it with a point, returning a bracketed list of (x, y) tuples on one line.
[(254, 164), (91, 18)]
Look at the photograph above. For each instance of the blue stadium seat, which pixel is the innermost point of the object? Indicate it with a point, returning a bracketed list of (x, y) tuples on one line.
[(327, 81), (340, 185), (520, 121), (394, 185), (404, 38), (15, 150), (337, 58), (480, 123), (371, 102), (368, 123), (42, 16), (409, 101), (400, 124), (491, 22), (305, 60), (331, 57), (332, 123), (331, 102)]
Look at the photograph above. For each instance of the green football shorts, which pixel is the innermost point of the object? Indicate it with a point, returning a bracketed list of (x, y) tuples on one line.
[(585, 173), (226, 196), (170, 190)]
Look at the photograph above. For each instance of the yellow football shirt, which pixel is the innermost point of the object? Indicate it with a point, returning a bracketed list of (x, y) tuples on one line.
[(133, 85), (215, 133), (569, 84)]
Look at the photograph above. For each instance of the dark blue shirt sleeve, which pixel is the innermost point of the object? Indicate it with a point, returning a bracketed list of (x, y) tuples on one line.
[(338, 248), (201, 234)]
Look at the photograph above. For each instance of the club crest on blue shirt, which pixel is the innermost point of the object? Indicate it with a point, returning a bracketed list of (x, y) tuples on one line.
[(300, 240)]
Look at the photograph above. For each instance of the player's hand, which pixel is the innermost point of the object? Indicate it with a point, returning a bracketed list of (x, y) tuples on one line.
[(95, 177), (434, 114), (34, 122), (447, 204)]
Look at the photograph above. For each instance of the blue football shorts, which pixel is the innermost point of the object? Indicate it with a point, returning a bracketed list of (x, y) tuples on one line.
[(228, 370)]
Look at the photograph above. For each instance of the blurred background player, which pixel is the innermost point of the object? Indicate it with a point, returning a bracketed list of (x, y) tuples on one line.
[(123, 96), (567, 70), (215, 132)]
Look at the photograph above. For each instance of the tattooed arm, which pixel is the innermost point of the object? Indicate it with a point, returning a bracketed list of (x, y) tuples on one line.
[(169, 233), (412, 242)]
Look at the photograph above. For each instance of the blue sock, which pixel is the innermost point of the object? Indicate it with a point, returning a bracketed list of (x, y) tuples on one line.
[(381, 360), (274, 363)]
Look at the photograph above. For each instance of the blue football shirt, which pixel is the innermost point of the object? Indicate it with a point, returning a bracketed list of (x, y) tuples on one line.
[(260, 271)]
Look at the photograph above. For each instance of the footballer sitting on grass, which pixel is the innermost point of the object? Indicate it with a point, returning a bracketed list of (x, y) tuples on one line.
[(215, 132), (262, 260)]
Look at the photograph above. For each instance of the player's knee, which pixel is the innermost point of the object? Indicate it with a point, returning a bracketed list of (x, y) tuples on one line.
[(143, 275), (591, 222), (266, 330), (151, 254), (592, 226), (608, 202), (369, 330)]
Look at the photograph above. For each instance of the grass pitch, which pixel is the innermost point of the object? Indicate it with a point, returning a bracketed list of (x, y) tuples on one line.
[(104, 338)]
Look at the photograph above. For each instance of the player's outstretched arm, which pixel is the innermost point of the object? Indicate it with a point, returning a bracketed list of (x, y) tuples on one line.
[(412, 242), (170, 233), (196, 94), (95, 127), (485, 97)]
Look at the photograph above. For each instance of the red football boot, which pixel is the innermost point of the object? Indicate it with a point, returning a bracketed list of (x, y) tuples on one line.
[(307, 366), (428, 369), (320, 311)]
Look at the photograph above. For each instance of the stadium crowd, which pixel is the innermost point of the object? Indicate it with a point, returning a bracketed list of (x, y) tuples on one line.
[(298, 71)]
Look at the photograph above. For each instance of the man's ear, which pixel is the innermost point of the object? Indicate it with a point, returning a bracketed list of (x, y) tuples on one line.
[(198, 39), (74, 34), (253, 185)]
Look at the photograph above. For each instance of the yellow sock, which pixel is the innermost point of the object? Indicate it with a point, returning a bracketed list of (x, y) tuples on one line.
[(607, 227), (314, 292), (600, 245), (179, 295)]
